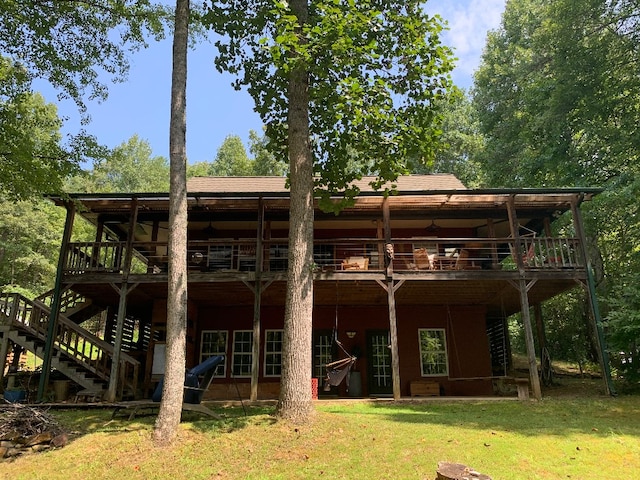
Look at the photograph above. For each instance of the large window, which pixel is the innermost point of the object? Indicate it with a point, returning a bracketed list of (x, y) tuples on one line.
[(433, 352), (214, 342), (242, 347), (273, 353)]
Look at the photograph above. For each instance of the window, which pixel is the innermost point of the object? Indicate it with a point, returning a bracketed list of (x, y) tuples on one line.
[(433, 352), (214, 342), (322, 353), (242, 347), (273, 353)]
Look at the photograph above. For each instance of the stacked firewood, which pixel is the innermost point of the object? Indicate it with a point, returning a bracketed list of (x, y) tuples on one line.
[(25, 429)]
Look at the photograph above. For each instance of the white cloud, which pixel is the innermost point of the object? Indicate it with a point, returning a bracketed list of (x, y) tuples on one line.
[(468, 23)]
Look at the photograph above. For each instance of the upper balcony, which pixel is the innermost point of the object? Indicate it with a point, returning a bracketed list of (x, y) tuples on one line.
[(220, 258), (239, 231)]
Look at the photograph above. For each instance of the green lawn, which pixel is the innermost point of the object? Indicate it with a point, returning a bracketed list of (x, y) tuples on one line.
[(556, 438)]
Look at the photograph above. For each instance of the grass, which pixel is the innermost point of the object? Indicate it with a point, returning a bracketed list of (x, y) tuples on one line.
[(563, 437)]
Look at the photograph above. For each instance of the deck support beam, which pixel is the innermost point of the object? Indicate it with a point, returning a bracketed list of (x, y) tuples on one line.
[(523, 288), (391, 300), (257, 302), (55, 305), (112, 391), (528, 333), (595, 318), (4, 350)]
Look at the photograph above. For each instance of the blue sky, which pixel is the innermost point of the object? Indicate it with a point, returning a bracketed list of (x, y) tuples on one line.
[(214, 109)]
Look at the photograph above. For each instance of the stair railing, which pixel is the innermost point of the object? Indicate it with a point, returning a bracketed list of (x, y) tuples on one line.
[(68, 300), (93, 353)]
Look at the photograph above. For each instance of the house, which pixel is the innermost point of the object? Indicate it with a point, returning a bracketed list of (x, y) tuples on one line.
[(416, 285)]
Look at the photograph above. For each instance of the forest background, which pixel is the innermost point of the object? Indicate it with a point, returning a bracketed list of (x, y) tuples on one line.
[(555, 103)]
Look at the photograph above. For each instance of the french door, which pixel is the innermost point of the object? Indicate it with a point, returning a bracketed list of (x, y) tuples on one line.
[(379, 362)]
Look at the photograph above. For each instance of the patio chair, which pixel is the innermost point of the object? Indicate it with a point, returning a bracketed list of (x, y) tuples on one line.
[(355, 263), (196, 382), (194, 387), (423, 259)]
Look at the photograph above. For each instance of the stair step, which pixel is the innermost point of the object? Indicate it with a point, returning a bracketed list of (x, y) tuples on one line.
[(70, 366)]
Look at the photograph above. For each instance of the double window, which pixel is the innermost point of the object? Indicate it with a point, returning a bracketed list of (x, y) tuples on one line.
[(214, 342), (433, 352)]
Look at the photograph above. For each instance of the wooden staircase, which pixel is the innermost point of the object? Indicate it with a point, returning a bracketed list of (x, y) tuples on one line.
[(78, 354), (73, 305)]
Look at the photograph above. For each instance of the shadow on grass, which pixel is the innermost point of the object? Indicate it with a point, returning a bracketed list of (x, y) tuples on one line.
[(83, 422), (603, 417)]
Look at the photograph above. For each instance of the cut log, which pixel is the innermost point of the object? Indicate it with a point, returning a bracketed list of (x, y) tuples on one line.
[(39, 438), (457, 471)]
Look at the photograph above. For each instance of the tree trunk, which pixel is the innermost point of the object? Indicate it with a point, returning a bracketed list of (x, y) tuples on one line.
[(295, 390), (168, 419)]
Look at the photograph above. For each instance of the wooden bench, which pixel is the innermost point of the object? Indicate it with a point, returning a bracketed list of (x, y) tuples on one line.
[(424, 388), (505, 385)]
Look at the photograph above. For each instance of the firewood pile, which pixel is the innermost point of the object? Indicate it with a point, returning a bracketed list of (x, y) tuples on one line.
[(25, 429)]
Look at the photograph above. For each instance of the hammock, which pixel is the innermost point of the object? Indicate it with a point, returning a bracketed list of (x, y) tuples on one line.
[(339, 370)]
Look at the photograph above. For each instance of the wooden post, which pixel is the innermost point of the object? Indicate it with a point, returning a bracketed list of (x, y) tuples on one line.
[(393, 331), (52, 327), (391, 300), (388, 246), (111, 394), (595, 318), (524, 300), (257, 299), (514, 226), (528, 335), (4, 350)]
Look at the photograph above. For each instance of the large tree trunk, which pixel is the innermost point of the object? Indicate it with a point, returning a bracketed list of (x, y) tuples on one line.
[(295, 392), (168, 419)]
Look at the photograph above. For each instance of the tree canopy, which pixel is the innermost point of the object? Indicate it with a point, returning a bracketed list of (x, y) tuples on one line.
[(345, 88), (558, 101), (378, 78), (30, 152), (130, 167), (69, 43), (232, 159)]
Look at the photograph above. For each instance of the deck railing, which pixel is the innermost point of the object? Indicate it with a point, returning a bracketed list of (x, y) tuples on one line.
[(93, 353), (342, 254)]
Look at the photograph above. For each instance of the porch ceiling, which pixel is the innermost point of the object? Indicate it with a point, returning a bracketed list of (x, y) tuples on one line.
[(500, 296)]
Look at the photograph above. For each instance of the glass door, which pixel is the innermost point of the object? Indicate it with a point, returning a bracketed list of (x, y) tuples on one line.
[(379, 362)]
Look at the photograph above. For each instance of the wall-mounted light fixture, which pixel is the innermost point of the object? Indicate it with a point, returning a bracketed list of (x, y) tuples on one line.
[(351, 334)]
